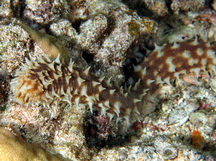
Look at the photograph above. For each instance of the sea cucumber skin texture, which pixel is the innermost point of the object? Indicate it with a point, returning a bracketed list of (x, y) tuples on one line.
[(172, 62), (51, 82)]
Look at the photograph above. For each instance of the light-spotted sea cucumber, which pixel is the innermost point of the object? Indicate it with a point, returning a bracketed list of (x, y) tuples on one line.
[(171, 62), (51, 82)]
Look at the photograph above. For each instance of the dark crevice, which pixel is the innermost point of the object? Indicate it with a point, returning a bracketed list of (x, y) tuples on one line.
[(18, 10), (94, 134), (139, 7), (88, 57), (76, 25)]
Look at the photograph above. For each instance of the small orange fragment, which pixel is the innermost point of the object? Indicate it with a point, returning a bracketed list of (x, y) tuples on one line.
[(197, 139)]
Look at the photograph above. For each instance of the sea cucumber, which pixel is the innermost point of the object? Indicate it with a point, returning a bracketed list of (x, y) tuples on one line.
[(51, 82), (171, 62)]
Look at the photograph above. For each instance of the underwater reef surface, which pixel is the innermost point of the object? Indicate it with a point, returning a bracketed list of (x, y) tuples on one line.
[(116, 80)]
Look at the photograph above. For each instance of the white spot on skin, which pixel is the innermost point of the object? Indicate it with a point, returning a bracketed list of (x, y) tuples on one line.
[(191, 62), (204, 62), (159, 54), (199, 51), (186, 54), (211, 53), (196, 61), (170, 64)]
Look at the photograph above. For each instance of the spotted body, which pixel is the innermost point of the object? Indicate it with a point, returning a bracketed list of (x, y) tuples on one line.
[(171, 62), (51, 82)]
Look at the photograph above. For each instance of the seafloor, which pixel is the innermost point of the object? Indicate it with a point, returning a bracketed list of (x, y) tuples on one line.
[(111, 36)]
